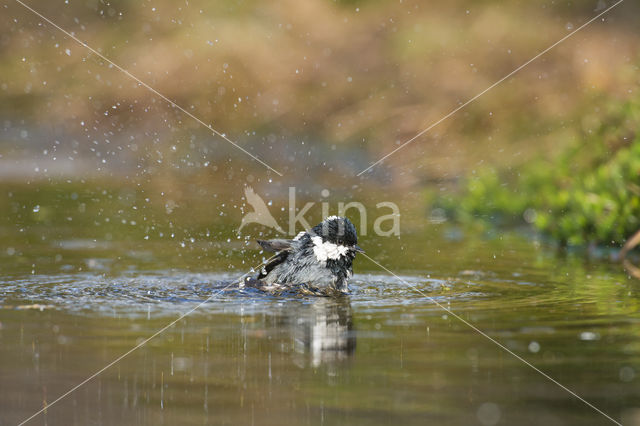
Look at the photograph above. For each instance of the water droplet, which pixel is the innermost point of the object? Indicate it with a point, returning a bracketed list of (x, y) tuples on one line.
[(589, 335), (489, 414), (627, 374)]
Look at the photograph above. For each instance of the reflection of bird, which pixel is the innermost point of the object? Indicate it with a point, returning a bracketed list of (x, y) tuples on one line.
[(261, 214), (324, 330)]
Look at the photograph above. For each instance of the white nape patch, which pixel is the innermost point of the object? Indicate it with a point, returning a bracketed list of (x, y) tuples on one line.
[(300, 235), (326, 250), (332, 218)]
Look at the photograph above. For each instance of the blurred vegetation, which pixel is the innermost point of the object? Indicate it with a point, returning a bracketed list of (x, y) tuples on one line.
[(589, 194)]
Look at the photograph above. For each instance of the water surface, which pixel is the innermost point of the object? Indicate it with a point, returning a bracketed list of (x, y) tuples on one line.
[(383, 354)]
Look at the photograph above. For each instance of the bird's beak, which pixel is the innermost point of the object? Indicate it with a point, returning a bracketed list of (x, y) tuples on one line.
[(358, 249)]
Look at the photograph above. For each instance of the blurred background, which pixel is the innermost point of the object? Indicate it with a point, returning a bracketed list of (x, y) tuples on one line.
[(318, 90)]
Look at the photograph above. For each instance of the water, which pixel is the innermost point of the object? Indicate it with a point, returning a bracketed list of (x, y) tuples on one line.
[(384, 354)]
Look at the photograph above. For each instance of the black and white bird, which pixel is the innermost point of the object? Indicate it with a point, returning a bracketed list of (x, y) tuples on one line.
[(320, 258)]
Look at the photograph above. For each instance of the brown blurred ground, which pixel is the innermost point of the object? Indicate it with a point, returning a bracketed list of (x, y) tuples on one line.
[(348, 80)]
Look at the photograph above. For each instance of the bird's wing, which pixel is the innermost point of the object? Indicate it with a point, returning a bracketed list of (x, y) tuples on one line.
[(275, 245), (275, 261)]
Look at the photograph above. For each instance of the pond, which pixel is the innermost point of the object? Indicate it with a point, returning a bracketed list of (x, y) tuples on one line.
[(393, 350), (145, 146)]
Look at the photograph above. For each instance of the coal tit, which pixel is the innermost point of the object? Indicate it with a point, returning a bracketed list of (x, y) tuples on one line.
[(320, 259)]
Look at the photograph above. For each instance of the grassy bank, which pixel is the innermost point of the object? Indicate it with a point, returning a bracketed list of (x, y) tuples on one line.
[(589, 194)]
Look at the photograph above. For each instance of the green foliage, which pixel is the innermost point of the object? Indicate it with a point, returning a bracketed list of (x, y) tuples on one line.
[(588, 194)]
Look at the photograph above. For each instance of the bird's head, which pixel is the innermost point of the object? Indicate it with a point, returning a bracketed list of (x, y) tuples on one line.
[(337, 231)]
